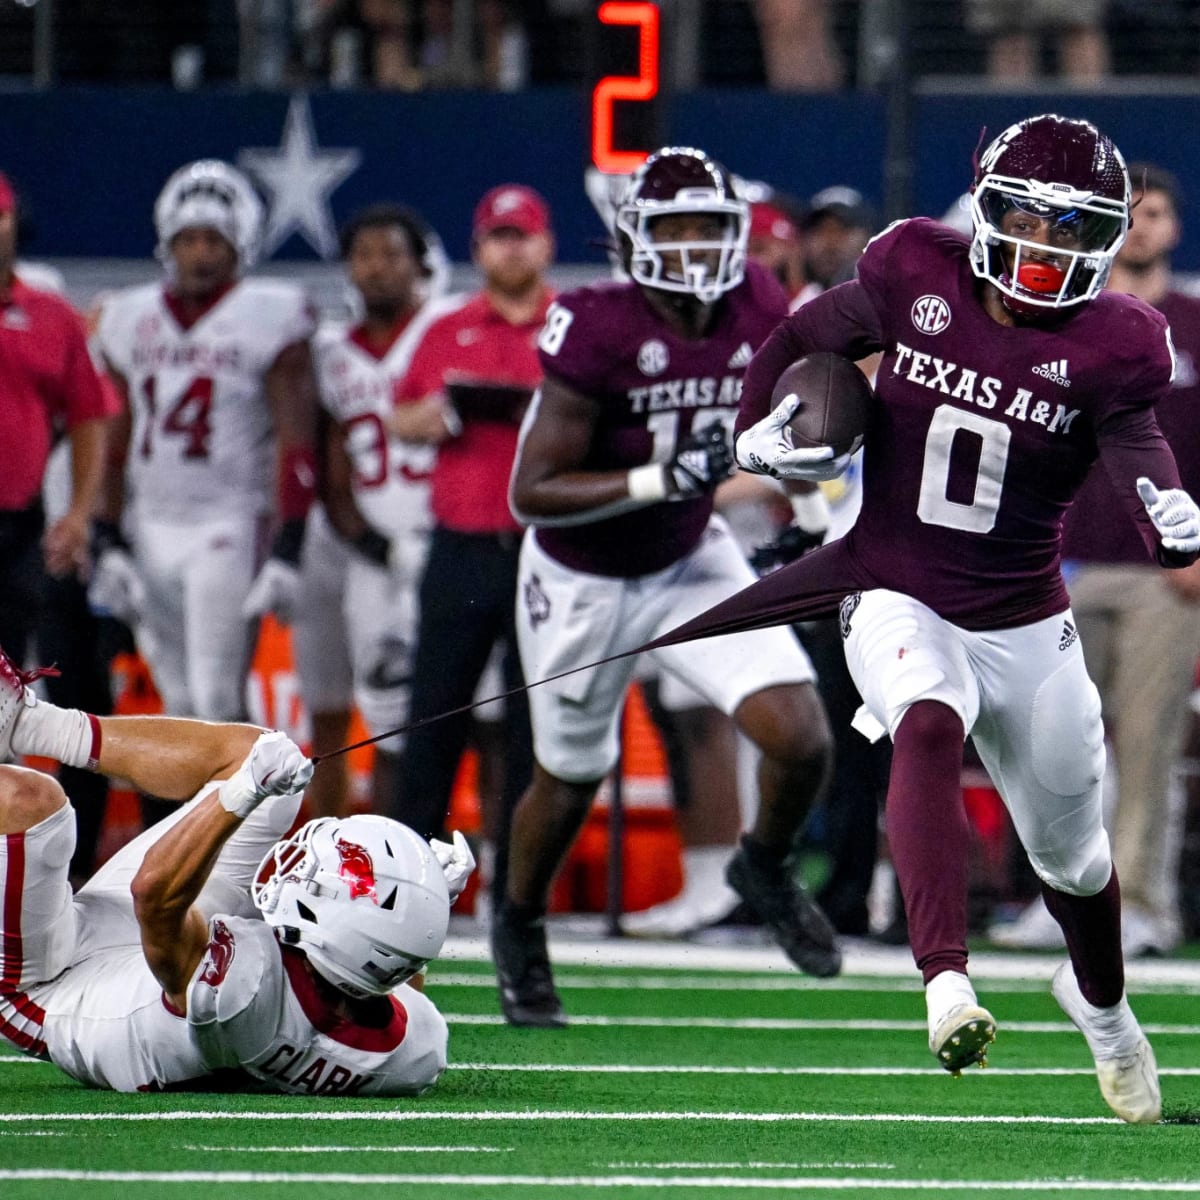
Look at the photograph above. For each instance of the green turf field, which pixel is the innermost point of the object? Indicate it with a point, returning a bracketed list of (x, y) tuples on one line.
[(671, 1083)]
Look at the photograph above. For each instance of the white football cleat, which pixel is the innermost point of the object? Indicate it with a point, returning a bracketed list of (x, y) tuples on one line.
[(14, 696), (683, 914), (1034, 929), (1125, 1065), (962, 1037)]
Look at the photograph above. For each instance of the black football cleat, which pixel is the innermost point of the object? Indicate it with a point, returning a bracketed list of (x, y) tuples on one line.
[(527, 995), (793, 917)]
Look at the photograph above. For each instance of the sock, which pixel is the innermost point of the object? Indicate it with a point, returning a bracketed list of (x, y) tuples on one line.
[(929, 836), (66, 735), (766, 858), (946, 990), (1092, 928), (704, 872), (1111, 1030)]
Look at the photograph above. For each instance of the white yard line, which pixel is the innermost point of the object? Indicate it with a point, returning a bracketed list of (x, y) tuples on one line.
[(528, 1114), (730, 1182), (311, 1149)]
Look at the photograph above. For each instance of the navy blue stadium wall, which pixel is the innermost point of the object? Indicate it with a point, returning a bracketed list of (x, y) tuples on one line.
[(91, 160)]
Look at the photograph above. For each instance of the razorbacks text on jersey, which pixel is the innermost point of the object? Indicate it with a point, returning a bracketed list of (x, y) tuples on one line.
[(201, 437), (606, 341)]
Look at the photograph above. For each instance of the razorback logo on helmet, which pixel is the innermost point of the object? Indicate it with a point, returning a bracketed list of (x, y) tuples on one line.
[(356, 869), (218, 955)]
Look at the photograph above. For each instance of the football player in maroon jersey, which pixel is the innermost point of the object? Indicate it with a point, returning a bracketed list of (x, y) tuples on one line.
[(619, 456), (1006, 371)]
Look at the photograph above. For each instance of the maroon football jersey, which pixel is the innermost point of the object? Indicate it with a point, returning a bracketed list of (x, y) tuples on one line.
[(652, 387), (981, 433), (1091, 532)]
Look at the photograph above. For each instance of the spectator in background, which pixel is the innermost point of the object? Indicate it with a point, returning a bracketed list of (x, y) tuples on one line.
[(799, 53), (1139, 624), (1015, 30), (376, 496), (775, 244), (834, 230), (48, 383), (466, 389)]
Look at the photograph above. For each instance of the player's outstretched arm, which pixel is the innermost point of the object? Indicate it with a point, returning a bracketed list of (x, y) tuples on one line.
[(174, 933)]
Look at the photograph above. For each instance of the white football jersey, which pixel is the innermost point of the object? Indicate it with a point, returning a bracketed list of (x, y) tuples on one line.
[(253, 1004), (391, 476), (202, 431)]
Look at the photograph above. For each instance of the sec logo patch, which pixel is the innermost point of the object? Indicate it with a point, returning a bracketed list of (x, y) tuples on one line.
[(931, 314), (652, 357)]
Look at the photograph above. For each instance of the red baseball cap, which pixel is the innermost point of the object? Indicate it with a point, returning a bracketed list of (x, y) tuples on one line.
[(8, 198), (767, 221), (511, 206)]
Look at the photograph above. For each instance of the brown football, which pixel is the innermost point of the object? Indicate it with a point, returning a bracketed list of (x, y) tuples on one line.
[(835, 401)]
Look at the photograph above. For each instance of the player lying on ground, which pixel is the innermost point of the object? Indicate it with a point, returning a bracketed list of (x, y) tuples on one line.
[(172, 963)]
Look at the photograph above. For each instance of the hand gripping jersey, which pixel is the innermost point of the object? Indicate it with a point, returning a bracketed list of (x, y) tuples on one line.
[(391, 476), (981, 433), (253, 1005), (652, 387), (202, 433)]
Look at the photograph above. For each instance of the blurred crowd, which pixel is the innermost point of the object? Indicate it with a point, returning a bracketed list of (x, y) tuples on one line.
[(506, 45)]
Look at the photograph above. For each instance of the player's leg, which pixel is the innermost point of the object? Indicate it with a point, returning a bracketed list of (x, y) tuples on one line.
[(322, 655), (1042, 741), (218, 640), (763, 679), (918, 684), (38, 920), (575, 721)]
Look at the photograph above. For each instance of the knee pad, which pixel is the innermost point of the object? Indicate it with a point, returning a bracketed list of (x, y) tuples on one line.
[(1080, 870), (1066, 733)]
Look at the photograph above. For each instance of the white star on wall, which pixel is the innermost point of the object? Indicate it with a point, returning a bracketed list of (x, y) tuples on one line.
[(299, 179)]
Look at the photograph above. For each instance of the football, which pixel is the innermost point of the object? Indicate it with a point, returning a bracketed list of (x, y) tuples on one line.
[(835, 401)]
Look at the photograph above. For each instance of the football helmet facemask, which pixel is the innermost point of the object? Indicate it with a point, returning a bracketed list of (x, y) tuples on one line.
[(363, 896), (1069, 179), (680, 180), (210, 193)]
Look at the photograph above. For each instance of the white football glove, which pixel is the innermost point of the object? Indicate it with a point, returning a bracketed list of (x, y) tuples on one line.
[(116, 588), (276, 589), (1174, 514), (766, 449), (456, 860), (275, 766)]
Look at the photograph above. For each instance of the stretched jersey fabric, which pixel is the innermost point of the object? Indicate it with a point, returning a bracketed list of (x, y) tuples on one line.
[(652, 387), (202, 433), (979, 438)]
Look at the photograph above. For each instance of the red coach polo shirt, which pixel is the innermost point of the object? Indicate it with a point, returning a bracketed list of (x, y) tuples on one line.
[(47, 381), (470, 478)]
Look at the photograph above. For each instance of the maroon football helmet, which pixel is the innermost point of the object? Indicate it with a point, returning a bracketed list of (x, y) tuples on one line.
[(1050, 209), (682, 180)]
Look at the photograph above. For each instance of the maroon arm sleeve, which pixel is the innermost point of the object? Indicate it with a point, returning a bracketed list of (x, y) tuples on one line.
[(1132, 445), (842, 320)]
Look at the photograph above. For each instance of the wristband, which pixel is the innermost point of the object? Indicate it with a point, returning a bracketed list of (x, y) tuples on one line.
[(810, 510), (288, 542), (236, 797), (647, 484)]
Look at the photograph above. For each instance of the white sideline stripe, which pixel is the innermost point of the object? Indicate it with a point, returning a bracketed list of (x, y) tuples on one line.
[(527, 1114), (802, 1024), (738, 1182), (566, 980)]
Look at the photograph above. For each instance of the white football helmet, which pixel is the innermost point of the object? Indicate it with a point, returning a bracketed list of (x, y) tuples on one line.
[(213, 194), (364, 897)]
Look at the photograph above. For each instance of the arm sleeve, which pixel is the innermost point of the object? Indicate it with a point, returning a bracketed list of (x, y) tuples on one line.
[(1131, 444)]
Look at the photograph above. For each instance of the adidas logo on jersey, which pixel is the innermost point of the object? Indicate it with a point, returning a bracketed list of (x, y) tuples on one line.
[(742, 356), (1055, 371), (1069, 635)]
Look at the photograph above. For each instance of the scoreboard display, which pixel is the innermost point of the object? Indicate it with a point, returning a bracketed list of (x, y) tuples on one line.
[(627, 92)]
